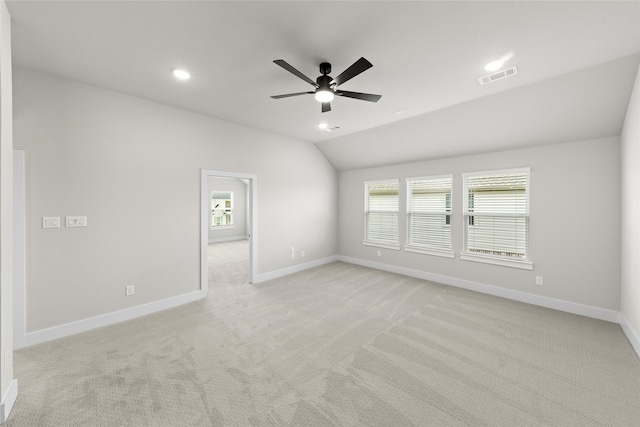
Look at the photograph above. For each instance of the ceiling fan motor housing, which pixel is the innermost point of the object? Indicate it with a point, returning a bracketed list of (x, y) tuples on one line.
[(324, 82), (325, 68)]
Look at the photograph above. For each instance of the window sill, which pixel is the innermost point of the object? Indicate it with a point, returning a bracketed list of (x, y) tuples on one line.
[(426, 251), (222, 227), (381, 245), (524, 265)]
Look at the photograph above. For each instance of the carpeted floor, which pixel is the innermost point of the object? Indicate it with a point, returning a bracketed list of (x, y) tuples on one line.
[(337, 345)]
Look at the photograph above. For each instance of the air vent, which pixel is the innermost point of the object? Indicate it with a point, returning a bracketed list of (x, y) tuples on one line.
[(498, 76)]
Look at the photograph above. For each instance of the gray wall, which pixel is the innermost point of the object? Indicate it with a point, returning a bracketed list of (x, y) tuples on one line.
[(133, 168), (630, 284), (575, 239), (239, 230)]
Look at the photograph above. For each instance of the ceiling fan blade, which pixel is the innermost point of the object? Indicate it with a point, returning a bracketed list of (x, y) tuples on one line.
[(326, 106), (287, 95), (289, 68), (358, 67), (357, 95)]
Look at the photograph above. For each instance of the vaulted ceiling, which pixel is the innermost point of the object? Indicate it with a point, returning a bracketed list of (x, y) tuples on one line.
[(576, 63)]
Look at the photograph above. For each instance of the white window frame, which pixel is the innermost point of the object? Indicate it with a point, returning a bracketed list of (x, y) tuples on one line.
[(426, 249), (387, 244), (231, 209), (506, 261)]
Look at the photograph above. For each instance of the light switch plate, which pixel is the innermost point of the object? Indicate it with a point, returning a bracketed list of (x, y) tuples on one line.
[(50, 222)]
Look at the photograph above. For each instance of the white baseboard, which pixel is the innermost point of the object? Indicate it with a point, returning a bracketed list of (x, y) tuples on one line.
[(228, 239), (556, 304), (294, 269), (49, 334), (633, 337), (107, 319), (8, 400)]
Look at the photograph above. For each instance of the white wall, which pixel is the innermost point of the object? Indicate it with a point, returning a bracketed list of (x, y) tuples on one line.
[(574, 238), (239, 229), (133, 168), (630, 280)]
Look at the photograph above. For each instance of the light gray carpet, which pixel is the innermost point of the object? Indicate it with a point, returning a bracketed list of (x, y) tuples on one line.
[(337, 345)]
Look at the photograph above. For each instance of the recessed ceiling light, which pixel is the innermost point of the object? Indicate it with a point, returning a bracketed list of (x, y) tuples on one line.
[(181, 73), (494, 65), (325, 127), (397, 113)]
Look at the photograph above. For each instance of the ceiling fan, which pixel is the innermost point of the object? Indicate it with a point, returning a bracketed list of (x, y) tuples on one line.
[(326, 86)]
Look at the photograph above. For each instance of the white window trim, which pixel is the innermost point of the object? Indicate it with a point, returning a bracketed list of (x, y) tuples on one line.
[(380, 245), (525, 264), (376, 243), (498, 172), (429, 251), (423, 249), (422, 178), (223, 227)]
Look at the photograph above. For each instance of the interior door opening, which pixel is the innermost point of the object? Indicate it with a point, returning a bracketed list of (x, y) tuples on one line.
[(228, 224)]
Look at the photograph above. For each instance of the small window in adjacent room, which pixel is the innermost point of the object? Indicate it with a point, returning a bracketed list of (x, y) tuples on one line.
[(496, 217), (381, 213), (429, 215), (221, 209)]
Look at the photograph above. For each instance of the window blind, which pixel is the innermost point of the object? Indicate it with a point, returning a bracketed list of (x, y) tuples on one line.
[(381, 212), (429, 212), (496, 209)]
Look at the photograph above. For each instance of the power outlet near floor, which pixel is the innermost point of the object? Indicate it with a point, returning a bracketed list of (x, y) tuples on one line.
[(129, 290), (539, 281)]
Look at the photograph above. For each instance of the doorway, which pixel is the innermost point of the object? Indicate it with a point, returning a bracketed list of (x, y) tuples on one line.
[(220, 215)]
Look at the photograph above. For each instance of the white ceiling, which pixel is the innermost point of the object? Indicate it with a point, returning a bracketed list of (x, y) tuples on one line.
[(575, 72)]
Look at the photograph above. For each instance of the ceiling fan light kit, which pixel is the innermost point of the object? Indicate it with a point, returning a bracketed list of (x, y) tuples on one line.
[(326, 87), (324, 95)]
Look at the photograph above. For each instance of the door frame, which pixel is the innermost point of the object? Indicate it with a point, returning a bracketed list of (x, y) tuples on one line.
[(19, 252), (205, 209)]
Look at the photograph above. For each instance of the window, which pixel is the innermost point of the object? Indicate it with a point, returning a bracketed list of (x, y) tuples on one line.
[(381, 213), (429, 215), (221, 209), (496, 217)]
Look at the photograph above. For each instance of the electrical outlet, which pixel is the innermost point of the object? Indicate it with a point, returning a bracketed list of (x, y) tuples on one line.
[(539, 281), (76, 221), (129, 290), (379, 253), (302, 254)]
